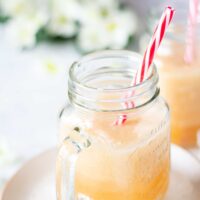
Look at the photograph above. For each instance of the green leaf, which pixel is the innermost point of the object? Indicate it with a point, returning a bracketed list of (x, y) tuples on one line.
[(41, 35), (4, 19)]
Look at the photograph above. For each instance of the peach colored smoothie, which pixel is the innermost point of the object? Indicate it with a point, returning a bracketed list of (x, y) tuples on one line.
[(129, 162), (180, 86)]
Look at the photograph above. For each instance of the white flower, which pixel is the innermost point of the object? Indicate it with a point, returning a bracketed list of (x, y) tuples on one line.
[(99, 24), (64, 18), (92, 38), (22, 30), (120, 28), (15, 7), (112, 4), (62, 25), (70, 8), (93, 13), (108, 3), (110, 32)]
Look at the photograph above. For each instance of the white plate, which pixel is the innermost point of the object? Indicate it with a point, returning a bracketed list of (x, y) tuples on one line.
[(36, 180)]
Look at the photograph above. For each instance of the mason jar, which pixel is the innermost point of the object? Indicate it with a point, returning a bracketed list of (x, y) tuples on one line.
[(100, 159), (180, 80)]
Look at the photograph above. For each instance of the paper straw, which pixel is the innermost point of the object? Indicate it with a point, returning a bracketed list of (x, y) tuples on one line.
[(149, 55), (191, 31)]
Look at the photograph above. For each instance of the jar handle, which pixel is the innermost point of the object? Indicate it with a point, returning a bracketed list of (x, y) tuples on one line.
[(67, 155)]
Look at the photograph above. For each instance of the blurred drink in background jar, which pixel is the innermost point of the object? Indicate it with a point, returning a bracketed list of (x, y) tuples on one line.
[(99, 160), (180, 81)]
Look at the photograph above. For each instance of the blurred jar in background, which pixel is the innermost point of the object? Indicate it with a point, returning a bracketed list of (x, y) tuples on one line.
[(180, 81)]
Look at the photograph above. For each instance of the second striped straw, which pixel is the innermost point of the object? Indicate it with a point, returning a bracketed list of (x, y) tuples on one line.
[(191, 32)]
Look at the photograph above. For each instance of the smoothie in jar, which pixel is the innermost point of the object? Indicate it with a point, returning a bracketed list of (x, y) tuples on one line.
[(98, 160)]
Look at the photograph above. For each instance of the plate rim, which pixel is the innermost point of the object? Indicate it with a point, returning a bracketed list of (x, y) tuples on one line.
[(37, 156), (53, 150)]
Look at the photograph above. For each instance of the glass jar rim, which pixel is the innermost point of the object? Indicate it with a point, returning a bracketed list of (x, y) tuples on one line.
[(122, 62), (153, 77)]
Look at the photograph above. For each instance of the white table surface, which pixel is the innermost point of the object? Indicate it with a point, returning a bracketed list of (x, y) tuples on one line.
[(31, 97)]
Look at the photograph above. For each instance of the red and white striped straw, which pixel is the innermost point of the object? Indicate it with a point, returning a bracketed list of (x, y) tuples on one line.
[(191, 31), (149, 55)]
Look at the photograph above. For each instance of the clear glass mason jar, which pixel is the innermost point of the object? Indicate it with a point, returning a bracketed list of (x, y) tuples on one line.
[(98, 159), (179, 81)]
